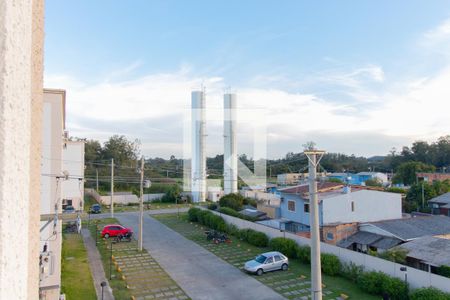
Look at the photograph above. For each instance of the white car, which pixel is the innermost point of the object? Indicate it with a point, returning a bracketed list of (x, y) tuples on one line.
[(269, 261)]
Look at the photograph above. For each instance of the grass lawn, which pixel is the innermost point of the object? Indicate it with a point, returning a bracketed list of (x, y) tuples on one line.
[(292, 284), (151, 206), (76, 278)]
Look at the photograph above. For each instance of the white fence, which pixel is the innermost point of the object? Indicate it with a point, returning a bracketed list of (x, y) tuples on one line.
[(121, 198), (416, 278)]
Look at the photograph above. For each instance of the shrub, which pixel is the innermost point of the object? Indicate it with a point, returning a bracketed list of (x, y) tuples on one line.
[(378, 283), (212, 206), (202, 217), (304, 254), (331, 265), (286, 246), (233, 201), (352, 271), (429, 293), (232, 229), (193, 213), (256, 238), (371, 282), (249, 201), (229, 211), (443, 271)]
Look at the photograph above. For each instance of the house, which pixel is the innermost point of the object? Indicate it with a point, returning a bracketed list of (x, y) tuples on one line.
[(440, 205), (364, 176), (432, 177), (51, 193), (288, 178), (73, 165), (383, 235), (214, 193), (338, 204), (359, 178), (427, 253)]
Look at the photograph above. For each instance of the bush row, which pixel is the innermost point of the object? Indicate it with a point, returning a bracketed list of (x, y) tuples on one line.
[(376, 283), (213, 221)]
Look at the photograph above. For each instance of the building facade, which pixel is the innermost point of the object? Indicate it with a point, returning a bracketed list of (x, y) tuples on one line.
[(73, 165), (52, 179)]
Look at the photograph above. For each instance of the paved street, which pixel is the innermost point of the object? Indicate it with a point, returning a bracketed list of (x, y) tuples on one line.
[(201, 274)]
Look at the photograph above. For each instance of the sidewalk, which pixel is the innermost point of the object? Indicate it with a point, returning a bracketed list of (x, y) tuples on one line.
[(95, 262)]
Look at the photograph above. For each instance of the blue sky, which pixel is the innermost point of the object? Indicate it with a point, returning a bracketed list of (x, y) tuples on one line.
[(357, 61)]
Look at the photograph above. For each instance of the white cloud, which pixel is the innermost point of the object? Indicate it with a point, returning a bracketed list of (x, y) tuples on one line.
[(151, 108), (440, 33)]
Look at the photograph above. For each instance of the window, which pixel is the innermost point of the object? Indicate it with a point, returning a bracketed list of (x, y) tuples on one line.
[(353, 206), (291, 205), (269, 260), (306, 207), (330, 236), (277, 258)]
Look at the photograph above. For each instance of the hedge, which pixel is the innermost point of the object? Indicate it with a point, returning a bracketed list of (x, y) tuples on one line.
[(429, 293), (304, 254), (216, 222), (286, 246), (254, 237), (192, 214), (443, 271), (331, 265), (379, 283)]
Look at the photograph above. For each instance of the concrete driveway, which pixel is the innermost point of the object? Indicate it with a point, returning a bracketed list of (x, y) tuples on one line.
[(201, 274)]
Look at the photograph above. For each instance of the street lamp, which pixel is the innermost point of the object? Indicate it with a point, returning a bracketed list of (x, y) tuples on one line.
[(103, 284), (404, 269), (110, 260)]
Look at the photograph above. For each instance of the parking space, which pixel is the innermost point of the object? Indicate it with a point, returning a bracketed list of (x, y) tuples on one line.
[(291, 284)]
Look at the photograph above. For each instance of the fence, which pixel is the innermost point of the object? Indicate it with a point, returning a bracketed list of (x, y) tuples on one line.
[(416, 278), (121, 198)]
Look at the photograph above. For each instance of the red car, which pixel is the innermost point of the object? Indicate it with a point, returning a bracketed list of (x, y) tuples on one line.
[(115, 230)]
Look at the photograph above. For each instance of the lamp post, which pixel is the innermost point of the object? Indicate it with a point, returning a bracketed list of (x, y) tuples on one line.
[(103, 284), (110, 260), (404, 269)]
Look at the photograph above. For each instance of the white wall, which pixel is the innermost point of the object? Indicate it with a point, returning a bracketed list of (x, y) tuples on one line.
[(263, 196), (51, 187), (416, 278), (73, 163), (369, 206)]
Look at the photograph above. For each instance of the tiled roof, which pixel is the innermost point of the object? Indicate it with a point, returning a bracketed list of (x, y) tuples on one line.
[(433, 250), (321, 187), (444, 198), (411, 228)]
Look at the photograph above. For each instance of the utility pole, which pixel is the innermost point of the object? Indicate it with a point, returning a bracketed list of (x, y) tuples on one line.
[(316, 275), (141, 206), (112, 187), (423, 198), (96, 172)]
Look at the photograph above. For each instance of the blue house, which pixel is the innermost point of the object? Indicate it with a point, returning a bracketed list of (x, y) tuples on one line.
[(294, 206)]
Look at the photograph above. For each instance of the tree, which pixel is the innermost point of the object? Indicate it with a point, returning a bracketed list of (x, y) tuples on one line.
[(414, 195), (373, 182), (406, 172), (92, 151), (121, 149), (397, 255)]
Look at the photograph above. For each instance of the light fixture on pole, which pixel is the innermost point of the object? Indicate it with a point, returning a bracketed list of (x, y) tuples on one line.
[(404, 269), (314, 156), (103, 284)]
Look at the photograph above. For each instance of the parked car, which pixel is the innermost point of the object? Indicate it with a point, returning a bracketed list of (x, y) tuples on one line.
[(69, 209), (115, 230), (96, 209), (269, 261)]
